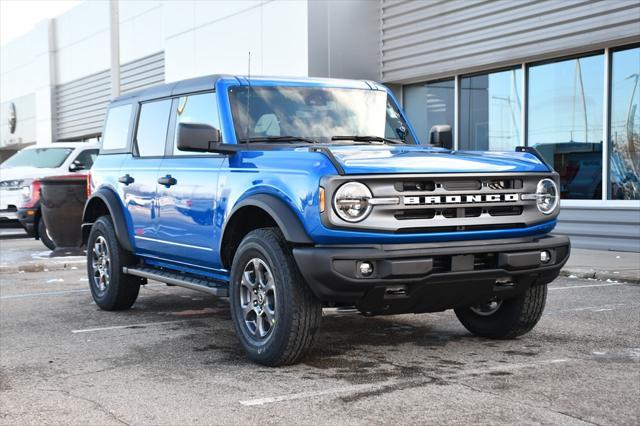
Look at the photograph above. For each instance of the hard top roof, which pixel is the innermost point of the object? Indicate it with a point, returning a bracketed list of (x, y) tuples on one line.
[(200, 84)]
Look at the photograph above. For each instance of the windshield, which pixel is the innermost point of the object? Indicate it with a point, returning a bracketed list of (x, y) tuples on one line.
[(41, 158), (315, 113)]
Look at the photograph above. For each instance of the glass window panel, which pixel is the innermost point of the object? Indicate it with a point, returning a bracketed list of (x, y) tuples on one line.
[(87, 157), (152, 128), (490, 106), (624, 160), (201, 109), (565, 101), (429, 104), (117, 127)]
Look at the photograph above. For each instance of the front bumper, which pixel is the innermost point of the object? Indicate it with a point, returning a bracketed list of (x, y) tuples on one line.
[(28, 218), (432, 276), (9, 215)]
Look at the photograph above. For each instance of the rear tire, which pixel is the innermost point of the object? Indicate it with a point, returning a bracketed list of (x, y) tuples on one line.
[(112, 290), (274, 312), (513, 318), (43, 234)]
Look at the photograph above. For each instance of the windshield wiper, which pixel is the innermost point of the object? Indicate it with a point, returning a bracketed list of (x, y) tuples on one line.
[(366, 139), (289, 139)]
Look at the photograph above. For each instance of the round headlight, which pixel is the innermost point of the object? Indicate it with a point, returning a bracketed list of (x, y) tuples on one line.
[(547, 196), (351, 201)]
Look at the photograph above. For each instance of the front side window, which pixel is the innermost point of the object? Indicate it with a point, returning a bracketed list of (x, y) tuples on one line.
[(87, 157), (624, 160), (565, 112), (430, 104), (117, 128), (42, 158), (151, 133), (490, 106), (200, 109), (315, 113)]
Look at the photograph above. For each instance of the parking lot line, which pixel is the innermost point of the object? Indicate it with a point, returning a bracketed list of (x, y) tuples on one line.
[(373, 386), (44, 293), (61, 292), (586, 286), (118, 327)]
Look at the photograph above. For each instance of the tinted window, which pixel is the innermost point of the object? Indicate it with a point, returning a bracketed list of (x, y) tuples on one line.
[(565, 122), (201, 109), (40, 158), (87, 157), (117, 128), (152, 128), (624, 164), (490, 106), (429, 104)]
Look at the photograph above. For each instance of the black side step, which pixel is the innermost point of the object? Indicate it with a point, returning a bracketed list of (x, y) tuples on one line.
[(193, 283)]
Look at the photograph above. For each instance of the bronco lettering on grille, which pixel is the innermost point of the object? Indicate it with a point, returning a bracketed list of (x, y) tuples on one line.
[(461, 199)]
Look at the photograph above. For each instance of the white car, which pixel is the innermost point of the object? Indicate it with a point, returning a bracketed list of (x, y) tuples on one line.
[(18, 173)]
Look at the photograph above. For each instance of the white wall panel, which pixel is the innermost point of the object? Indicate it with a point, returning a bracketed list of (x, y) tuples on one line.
[(81, 23), (209, 37), (141, 34), (82, 58), (285, 38)]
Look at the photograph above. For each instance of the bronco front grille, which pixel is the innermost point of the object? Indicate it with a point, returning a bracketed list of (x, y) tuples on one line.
[(445, 202)]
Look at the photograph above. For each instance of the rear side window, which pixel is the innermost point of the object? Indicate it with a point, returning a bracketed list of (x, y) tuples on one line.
[(117, 128), (151, 134), (201, 109)]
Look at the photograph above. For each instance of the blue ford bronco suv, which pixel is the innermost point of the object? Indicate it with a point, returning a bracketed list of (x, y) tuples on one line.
[(290, 195)]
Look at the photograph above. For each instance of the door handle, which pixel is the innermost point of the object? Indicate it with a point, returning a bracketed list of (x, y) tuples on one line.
[(167, 181), (126, 179)]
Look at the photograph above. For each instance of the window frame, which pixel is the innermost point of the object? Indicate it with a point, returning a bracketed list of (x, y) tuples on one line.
[(127, 149), (173, 122), (523, 100), (425, 139), (135, 152), (607, 53)]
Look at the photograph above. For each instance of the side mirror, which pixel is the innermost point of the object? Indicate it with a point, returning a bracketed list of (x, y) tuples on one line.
[(76, 166), (198, 137), (440, 135)]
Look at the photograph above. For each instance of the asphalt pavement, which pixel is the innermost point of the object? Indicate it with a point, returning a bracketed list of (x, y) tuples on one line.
[(174, 359)]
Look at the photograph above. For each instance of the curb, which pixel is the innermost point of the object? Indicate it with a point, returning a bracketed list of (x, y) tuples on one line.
[(42, 267), (630, 277)]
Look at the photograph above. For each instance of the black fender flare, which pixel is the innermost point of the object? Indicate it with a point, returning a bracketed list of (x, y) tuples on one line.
[(284, 217), (111, 200)]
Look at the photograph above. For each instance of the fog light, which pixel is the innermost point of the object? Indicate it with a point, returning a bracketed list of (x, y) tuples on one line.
[(545, 256), (366, 268)]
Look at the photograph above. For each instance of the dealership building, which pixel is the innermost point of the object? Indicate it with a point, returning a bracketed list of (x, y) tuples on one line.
[(561, 76)]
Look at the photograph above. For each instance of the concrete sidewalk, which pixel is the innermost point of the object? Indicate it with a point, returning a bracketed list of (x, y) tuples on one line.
[(603, 265)]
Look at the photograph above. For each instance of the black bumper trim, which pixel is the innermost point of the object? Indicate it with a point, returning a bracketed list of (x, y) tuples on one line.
[(332, 272)]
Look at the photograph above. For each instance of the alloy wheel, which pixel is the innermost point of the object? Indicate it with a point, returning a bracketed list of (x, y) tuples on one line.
[(487, 309), (101, 263), (258, 299)]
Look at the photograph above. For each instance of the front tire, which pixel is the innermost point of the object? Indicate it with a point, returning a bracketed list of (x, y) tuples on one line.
[(506, 319), (43, 233), (112, 290), (274, 312)]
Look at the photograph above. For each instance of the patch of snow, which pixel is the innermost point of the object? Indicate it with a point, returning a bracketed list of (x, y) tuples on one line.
[(56, 280)]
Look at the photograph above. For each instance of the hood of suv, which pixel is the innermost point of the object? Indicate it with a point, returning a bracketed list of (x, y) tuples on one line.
[(24, 173), (367, 159)]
